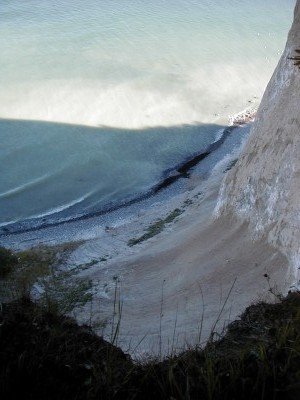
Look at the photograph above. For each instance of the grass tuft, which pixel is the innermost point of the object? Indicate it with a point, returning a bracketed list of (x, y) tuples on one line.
[(156, 227)]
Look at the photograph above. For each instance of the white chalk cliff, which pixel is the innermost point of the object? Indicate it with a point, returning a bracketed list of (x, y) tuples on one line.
[(264, 186)]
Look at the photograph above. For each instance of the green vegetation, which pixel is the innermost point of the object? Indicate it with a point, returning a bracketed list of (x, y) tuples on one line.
[(39, 269), (8, 262), (231, 165), (25, 269), (47, 356), (188, 202), (156, 227), (63, 292), (34, 264)]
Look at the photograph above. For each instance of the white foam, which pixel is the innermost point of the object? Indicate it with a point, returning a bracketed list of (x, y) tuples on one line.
[(52, 211), (204, 95), (23, 187)]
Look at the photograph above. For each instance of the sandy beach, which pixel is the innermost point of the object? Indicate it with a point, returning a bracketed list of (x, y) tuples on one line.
[(174, 286)]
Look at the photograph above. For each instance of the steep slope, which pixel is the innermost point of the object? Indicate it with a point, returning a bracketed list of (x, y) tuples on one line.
[(264, 186)]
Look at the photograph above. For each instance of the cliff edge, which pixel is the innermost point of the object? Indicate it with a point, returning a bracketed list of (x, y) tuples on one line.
[(264, 186)]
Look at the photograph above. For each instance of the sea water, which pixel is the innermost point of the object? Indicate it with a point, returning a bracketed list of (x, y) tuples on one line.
[(98, 99)]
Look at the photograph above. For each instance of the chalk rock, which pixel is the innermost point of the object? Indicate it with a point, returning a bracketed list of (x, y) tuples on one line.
[(264, 186)]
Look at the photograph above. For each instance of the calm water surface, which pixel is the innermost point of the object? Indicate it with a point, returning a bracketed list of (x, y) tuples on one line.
[(99, 98)]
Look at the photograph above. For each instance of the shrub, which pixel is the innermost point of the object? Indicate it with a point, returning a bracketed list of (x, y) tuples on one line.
[(48, 356), (7, 262)]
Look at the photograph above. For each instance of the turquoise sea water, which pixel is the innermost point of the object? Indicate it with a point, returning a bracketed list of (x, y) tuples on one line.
[(99, 98)]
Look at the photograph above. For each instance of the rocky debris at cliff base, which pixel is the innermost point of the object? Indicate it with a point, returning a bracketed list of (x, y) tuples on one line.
[(244, 117)]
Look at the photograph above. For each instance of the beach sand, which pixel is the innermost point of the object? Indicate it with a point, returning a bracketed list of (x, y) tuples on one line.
[(195, 276)]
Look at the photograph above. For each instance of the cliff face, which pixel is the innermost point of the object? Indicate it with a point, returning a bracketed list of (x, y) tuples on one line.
[(264, 186)]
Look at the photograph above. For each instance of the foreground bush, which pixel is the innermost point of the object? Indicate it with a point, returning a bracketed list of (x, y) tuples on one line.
[(7, 262), (47, 356)]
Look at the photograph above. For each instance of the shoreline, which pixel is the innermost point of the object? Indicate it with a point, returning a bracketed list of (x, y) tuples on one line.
[(192, 250), (154, 205), (169, 177)]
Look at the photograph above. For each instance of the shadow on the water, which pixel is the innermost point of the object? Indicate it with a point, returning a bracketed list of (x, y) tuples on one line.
[(44, 159)]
